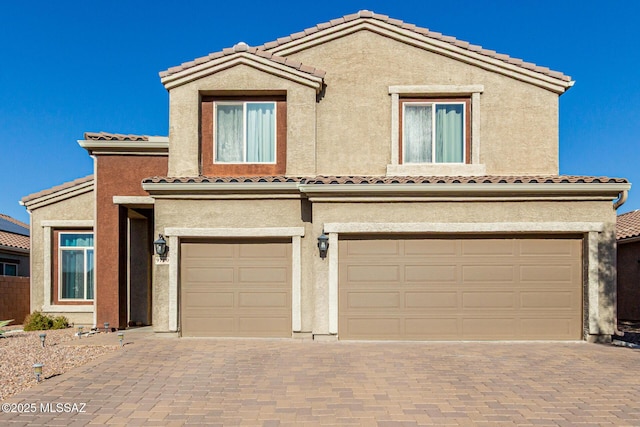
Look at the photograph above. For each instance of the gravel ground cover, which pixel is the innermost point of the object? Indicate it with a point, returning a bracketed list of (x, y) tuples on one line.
[(20, 350)]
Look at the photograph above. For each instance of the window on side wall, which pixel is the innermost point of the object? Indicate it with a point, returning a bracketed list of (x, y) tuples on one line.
[(243, 136), (76, 266), (8, 269), (435, 130)]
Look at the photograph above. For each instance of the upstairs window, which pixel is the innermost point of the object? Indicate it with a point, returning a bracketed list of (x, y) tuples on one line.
[(434, 131), (76, 266), (245, 132), (243, 135)]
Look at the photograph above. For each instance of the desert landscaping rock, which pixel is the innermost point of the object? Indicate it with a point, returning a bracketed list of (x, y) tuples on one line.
[(20, 350)]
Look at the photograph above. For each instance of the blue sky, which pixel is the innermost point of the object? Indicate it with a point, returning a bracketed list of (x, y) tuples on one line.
[(69, 67)]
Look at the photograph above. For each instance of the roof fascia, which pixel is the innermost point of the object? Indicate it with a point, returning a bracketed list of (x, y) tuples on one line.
[(572, 191), (604, 191), (177, 188), (415, 39), (241, 58), (14, 249), (58, 196), (155, 146), (632, 239)]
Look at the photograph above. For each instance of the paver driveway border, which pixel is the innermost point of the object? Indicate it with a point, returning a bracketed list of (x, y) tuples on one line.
[(161, 381)]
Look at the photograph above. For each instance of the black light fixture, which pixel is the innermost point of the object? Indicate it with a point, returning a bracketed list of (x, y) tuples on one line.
[(323, 245), (161, 246)]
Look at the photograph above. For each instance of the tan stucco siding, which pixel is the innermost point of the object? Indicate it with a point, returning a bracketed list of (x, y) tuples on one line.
[(184, 121), (465, 212), (519, 121), (78, 208), (231, 214)]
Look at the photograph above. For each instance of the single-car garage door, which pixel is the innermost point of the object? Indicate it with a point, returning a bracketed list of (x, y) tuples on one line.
[(460, 289), (236, 288)]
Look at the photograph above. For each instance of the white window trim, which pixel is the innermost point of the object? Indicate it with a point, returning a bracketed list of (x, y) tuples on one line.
[(591, 231), (244, 131), (474, 168), (47, 256), (433, 104), (84, 248), (296, 234)]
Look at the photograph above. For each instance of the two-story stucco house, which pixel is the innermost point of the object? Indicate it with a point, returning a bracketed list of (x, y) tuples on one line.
[(429, 164)]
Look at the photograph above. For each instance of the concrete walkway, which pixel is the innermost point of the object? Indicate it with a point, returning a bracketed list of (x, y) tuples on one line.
[(159, 380)]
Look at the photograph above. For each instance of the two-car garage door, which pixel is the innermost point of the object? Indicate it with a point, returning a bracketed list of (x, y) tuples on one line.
[(460, 289), (236, 288)]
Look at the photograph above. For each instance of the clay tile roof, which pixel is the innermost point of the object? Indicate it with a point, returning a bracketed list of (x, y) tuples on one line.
[(57, 188), (14, 240), (104, 136), (485, 179), (366, 14), (324, 179), (220, 179), (628, 225), (242, 47)]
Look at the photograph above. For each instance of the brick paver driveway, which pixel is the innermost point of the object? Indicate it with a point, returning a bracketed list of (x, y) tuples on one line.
[(170, 381)]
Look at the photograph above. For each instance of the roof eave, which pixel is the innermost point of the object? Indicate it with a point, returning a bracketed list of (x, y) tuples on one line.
[(176, 188), (157, 146), (214, 66), (57, 196), (604, 191)]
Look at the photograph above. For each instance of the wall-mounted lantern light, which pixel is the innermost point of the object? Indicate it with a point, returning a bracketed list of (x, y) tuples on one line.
[(323, 245), (161, 247), (42, 338), (37, 370)]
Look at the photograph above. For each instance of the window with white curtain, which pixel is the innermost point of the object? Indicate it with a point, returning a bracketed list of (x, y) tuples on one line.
[(76, 262), (433, 132), (245, 132)]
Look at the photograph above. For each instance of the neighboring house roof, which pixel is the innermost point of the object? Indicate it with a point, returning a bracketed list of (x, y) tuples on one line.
[(486, 179), (12, 240), (13, 226), (444, 44), (628, 225), (59, 192), (13, 233)]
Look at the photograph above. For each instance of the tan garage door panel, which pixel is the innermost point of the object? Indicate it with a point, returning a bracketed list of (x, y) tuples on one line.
[(236, 289), (449, 289)]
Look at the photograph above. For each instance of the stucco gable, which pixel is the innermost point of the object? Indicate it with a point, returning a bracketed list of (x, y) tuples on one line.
[(241, 53), (423, 38)]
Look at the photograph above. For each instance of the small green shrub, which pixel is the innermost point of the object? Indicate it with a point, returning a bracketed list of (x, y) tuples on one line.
[(38, 321), (60, 322)]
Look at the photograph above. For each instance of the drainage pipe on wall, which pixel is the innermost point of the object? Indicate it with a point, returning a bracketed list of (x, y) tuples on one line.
[(622, 197)]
